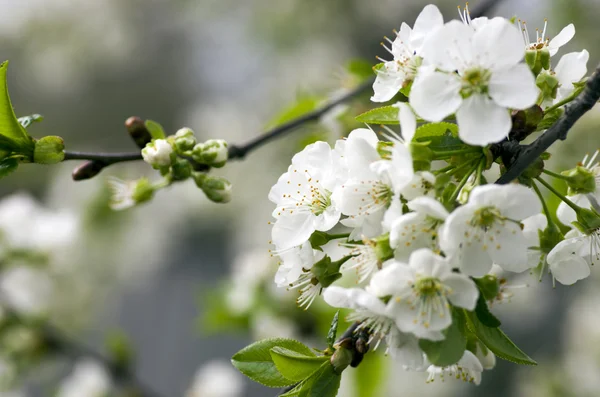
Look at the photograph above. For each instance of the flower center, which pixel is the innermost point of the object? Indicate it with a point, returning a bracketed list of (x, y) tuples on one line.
[(427, 287), (321, 200), (485, 217), (475, 81)]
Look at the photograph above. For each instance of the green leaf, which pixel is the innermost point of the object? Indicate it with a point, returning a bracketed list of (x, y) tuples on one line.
[(326, 383), (156, 130), (295, 366), (256, 363), (8, 166), (13, 136), (484, 315), (441, 136), (549, 119), (332, 334), (450, 350), (497, 341), (381, 115)]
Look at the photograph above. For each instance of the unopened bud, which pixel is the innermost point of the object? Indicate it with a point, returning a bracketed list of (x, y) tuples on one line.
[(580, 180), (158, 153), (216, 188), (213, 152), (138, 132), (341, 359), (184, 140), (87, 170), (181, 169), (49, 150), (547, 82)]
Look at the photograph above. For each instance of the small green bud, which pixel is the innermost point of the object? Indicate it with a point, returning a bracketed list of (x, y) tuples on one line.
[(49, 150), (580, 180), (216, 188), (213, 152), (548, 83), (143, 191), (422, 155), (126, 194), (181, 169), (184, 140), (341, 359)]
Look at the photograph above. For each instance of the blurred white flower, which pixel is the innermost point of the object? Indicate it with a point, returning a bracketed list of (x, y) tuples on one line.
[(26, 289), (88, 379), (468, 369), (216, 379)]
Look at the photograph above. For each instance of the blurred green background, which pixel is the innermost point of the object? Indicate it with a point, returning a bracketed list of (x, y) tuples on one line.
[(226, 69)]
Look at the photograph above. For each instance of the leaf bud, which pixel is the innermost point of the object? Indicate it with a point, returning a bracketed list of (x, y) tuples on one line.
[(49, 150), (138, 132)]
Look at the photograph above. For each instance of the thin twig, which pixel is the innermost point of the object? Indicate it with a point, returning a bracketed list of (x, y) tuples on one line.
[(528, 154), (107, 158)]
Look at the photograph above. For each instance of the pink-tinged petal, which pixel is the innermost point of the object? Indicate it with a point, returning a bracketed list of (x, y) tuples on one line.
[(388, 82), (481, 121), (464, 292), (498, 44), (408, 121), (449, 48), (514, 87), (514, 201), (292, 230), (565, 35), (435, 95), (571, 68), (427, 22), (508, 248)]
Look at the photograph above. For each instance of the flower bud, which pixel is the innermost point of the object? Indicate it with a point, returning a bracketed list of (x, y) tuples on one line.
[(341, 359), (548, 84), (87, 170), (158, 153), (184, 140), (181, 169), (138, 132), (213, 152), (49, 150), (580, 180), (216, 188)]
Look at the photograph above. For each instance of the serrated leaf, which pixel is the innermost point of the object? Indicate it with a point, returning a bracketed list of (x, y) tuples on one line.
[(381, 115), (13, 136), (256, 363), (295, 366), (497, 341), (8, 166), (450, 350), (484, 315), (156, 130), (332, 334)]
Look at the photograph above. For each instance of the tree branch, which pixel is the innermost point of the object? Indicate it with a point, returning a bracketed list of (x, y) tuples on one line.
[(528, 154), (106, 158)]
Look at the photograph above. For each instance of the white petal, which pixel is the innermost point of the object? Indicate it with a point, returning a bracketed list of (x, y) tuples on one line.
[(408, 121), (328, 219), (481, 121), (464, 291), (514, 87), (474, 259), (388, 82), (498, 44), (427, 264), (404, 348), (449, 48), (429, 20), (389, 280), (364, 133), (393, 212), (565, 35), (509, 248), (435, 95), (515, 201), (565, 214), (428, 206), (566, 265), (338, 297), (290, 231), (531, 227), (401, 171), (571, 68)]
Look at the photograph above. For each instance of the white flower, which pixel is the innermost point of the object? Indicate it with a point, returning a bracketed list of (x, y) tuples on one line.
[(294, 262), (158, 153), (303, 196), (571, 68), (88, 379), (468, 369), (406, 48), (567, 260), (564, 213), (541, 41), (422, 184), (531, 228), (483, 79), (486, 358), (487, 229), (216, 379), (418, 229), (26, 289), (372, 182), (421, 293), (373, 315)]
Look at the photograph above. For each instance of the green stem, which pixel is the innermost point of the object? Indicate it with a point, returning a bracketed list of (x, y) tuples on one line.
[(459, 168), (480, 171), (568, 202), (450, 153), (555, 175), (338, 236), (445, 169), (463, 181), (551, 223), (564, 101)]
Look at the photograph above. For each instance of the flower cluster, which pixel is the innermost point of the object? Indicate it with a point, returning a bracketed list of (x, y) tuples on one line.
[(411, 220)]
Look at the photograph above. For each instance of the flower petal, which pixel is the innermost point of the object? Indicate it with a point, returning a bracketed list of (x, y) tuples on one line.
[(408, 121), (571, 68), (449, 48), (514, 201), (428, 206), (435, 95), (498, 44), (514, 87), (481, 121), (390, 280), (388, 82), (464, 291), (562, 38), (292, 230), (509, 247), (429, 20)]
